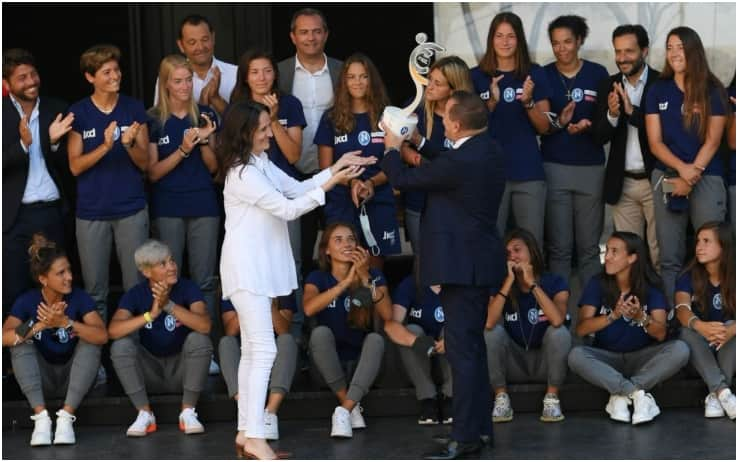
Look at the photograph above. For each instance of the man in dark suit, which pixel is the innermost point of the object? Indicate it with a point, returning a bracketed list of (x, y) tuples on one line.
[(620, 121), (32, 162), (461, 251)]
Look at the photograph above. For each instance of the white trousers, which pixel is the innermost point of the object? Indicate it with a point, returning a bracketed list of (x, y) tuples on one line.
[(258, 351)]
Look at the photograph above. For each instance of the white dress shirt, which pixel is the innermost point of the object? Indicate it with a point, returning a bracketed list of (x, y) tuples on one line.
[(633, 156), (457, 144), (259, 200), (228, 74), (315, 92)]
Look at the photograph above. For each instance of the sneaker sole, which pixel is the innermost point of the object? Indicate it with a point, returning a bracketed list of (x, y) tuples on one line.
[(336, 435), (150, 429), (57, 442), (427, 422), (608, 409), (448, 421), (715, 415), (644, 420), (191, 431), (552, 419), (43, 443), (502, 419)]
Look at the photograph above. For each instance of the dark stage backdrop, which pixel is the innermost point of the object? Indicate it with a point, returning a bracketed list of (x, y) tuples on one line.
[(58, 33)]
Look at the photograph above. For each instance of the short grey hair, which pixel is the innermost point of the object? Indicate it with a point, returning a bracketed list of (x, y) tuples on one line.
[(151, 253)]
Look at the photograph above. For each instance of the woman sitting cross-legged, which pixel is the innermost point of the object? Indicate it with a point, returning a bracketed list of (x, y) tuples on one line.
[(161, 338), (54, 334), (532, 341), (625, 309), (285, 364), (343, 296)]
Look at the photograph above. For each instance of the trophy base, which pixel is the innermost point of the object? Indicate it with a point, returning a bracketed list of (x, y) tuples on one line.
[(394, 119)]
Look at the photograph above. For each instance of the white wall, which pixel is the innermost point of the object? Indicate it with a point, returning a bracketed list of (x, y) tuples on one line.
[(462, 28)]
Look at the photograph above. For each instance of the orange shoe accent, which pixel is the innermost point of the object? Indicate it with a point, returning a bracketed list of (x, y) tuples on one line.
[(151, 428)]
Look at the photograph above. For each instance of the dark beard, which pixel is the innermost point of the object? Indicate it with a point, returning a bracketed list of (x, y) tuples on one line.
[(637, 67)]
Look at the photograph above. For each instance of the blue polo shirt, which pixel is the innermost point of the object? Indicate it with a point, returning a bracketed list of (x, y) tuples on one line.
[(620, 336), (666, 99), (188, 190), (56, 345), (289, 114), (348, 341), (561, 147), (534, 322), (166, 335), (426, 311), (714, 312), (509, 122), (114, 186)]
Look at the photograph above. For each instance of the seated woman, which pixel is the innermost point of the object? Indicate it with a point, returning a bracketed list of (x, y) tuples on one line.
[(532, 342), (43, 332), (171, 351), (285, 364), (418, 329), (625, 309), (705, 304), (342, 297)]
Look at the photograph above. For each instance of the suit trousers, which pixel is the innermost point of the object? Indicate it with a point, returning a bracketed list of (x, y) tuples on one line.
[(465, 308), (634, 212)]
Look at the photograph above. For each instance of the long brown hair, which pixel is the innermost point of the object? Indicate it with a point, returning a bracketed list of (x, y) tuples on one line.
[(488, 63), (376, 96), (234, 147), (642, 274), (536, 258), (324, 260), (726, 270), (699, 81), (456, 72), (242, 91)]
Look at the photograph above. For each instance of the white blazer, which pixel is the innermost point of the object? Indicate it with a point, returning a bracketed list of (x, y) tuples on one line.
[(259, 200)]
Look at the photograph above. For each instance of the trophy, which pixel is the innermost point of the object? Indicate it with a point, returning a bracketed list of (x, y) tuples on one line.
[(402, 121)]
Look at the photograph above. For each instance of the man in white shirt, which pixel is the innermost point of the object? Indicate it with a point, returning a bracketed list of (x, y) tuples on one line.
[(620, 121), (213, 80)]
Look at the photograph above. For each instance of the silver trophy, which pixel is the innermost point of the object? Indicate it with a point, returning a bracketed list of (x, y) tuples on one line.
[(402, 121)]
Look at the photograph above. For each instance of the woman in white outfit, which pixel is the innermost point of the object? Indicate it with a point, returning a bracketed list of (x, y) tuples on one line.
[(256, 263)]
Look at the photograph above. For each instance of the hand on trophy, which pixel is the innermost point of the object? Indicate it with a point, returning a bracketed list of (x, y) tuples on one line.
[(391, 139)]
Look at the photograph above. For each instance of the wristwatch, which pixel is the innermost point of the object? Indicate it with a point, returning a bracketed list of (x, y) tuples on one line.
[(169, 307), (69, 325), (531, 104)]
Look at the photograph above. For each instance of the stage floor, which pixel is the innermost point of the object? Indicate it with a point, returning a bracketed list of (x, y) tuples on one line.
[(675, 434)]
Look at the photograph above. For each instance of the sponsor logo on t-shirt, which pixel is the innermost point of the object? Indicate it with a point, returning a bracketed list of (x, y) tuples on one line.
[(663, 106), (417, 314), (283, 122), (340, 139), (484, 95), (389, 236), (88, 134), (590, 95), (378, 137), (164, 140)]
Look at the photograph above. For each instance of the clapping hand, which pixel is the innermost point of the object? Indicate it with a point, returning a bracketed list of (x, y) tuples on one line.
[(272, 103), (578, 127), (129, 136), (360, 258), (53, 315), (613, 102), (60, 127), (494, 90), (527, 95), (25, 132), (160, 290), (109, 135), (627, 104)]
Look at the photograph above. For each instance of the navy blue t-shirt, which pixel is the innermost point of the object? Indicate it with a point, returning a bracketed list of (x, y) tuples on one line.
[(415, 200), (56, 345), (290, 114), (535, 322), (166, 335), (579, 149), (667, 100), (187, 190), (730, 175), (114, 186), (426, 312), (715, 311), (620, 336), (509, 122), (334, 316)]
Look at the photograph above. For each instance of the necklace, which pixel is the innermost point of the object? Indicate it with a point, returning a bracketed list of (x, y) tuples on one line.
[(103, 109), (532, 327), (573, 79)]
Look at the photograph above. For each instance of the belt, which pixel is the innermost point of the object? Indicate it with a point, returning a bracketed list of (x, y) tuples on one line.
[(42, 204), (636, 175)]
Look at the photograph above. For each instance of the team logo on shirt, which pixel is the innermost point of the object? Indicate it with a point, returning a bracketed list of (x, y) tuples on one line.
[(717, 301), (116, 133), (88, 134), (62, 335), (663, 106), (403, 131), (347, 304), (533, 315), (340, 139), (577, 95), (364, 138), (170, 323), (417, 314), (438, 314), (509, 94), (164, 140)]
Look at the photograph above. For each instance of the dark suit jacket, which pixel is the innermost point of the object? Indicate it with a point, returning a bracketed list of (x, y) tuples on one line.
[(16, 160), (603, 132), (458, 233), (287, 73)]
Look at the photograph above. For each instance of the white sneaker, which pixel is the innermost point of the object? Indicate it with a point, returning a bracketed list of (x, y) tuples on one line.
[(644, 407), (102, 376), (214, 369), (357, 420), (502, 412), (727, 401), (41, 435), (188, 422), (271, 426), (713, 408), (64, 433), (341, 423), (617, 407), (145, 423)]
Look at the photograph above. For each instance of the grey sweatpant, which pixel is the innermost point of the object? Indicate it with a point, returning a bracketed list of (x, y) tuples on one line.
[(38, 378), (418, 368), (139, 370), (716, 369), (527, 202), (624, 373), (283, 370), (325, 357), (509, 362)]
